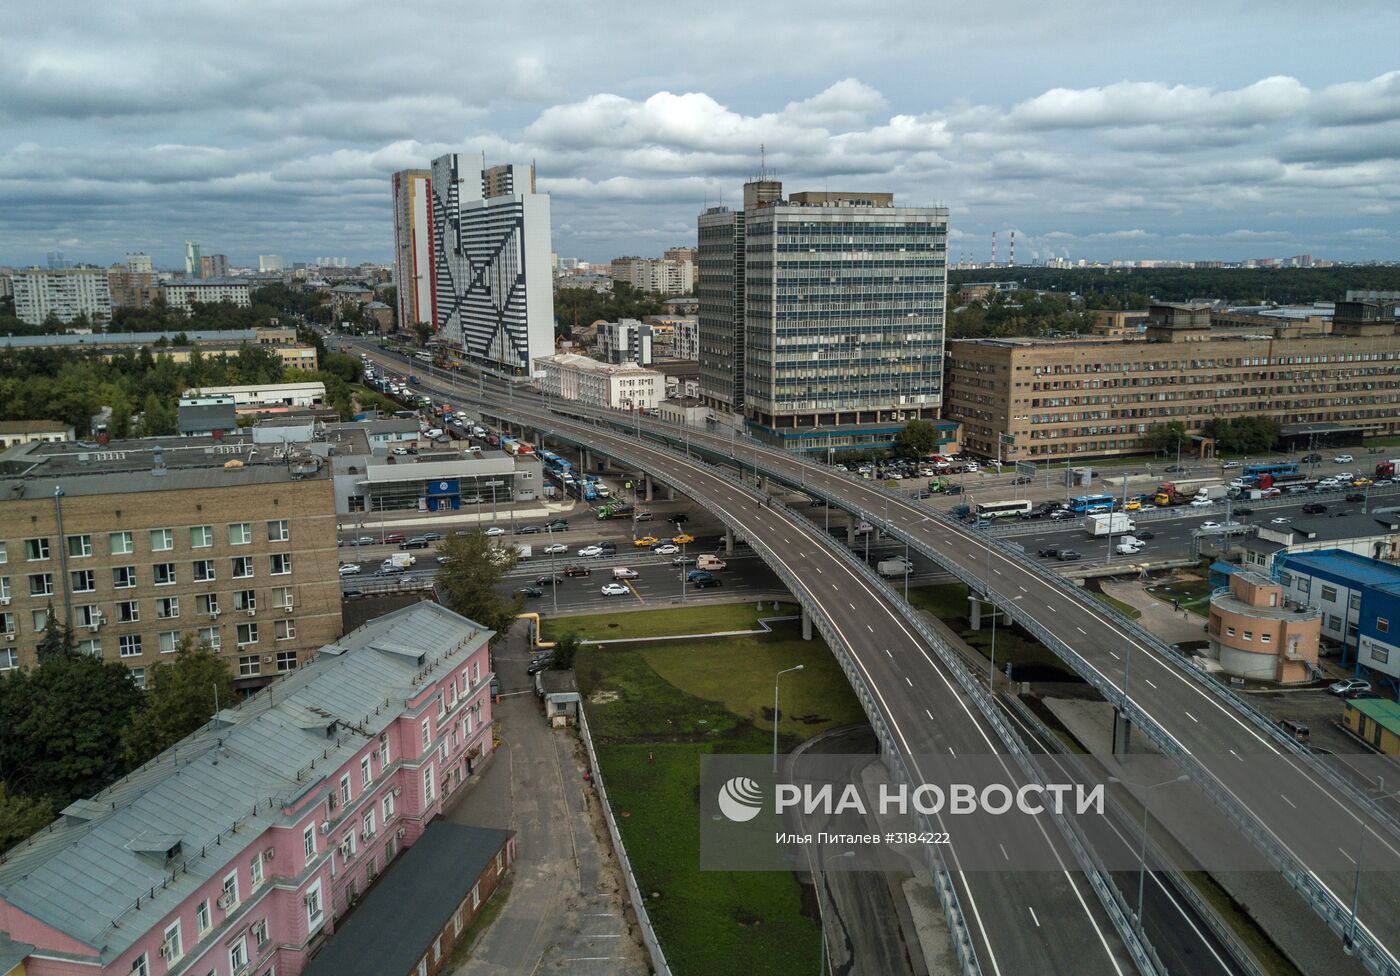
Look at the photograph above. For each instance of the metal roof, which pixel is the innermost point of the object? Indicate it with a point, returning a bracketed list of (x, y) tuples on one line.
[(219, 789), (1382, 711), (1345, 565)]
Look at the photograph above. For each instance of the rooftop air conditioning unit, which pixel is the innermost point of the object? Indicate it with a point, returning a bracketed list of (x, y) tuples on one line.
[(225, 900), (252, 610), (213, 615), (4, 601), (397, 789), (270, 854), (94, 625), (10, 638), (287, 608), (325, 826), (402, 833)]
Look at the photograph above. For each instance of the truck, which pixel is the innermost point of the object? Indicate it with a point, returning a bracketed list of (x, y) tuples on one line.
[(614, 510), (709, 562), (1108, 523), (1215, 492), (522, 550), (1168, 495), (400, 560), (1386, 469), (897, 566)]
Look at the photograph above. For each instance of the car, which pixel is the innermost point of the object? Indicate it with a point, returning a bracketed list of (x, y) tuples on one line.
[(705, 584), (1356, 496), (1383, 483), (1344, 477), (1061, 513), (1176, 469), (1124, 549), (1297, 489), (529, 530), (608, 547), (433, 536), (1281, 520), (1024, 479), (351, 594), (588, 552), (576, 570), (401, 451), (495, 531), (444, 560), (1242, 510), (556, 525), (549, 580), (1328, 484), (349, 569), (614, 589), (417, 542), (1346, 685), (646, 540), (1210, 525), (1133, 506), (555, 548), (1312, 458), (393, 537), (1201, 503), (1361, 482), (698, 574), (543, 664), (666, 549), (1314, 508), (364, 540), (388, 569), (1144, 534), (682, 560), (1229, 465), (530, 591), (680, 518), (1048, 552), (685, 538), (622, 572), (1067, 555), (1342, 459), (645, 517)]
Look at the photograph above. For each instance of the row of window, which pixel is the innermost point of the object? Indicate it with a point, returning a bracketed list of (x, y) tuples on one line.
[(161, 540), (162, 574)]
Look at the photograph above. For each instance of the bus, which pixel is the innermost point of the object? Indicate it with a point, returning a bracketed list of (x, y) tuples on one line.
[(991, 510), (1082, 504), (1287, 471), (423, 356)]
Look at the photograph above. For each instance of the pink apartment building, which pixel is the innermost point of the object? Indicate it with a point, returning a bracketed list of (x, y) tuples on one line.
[(235, 852)]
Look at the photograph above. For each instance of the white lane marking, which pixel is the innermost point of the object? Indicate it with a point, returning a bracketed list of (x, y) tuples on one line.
[(1237, 755), (1082, 631), (850, 604), (1288, 801), (819, 570), (1005, 856), (870, 628), (888, 654), (1150, 682), (928, 713), (1033, 918), (1022, 588), (908, 682), (952, 753), (1347, 856), (1189, 715), (1115, 656), (1051, 609), (997, 571)]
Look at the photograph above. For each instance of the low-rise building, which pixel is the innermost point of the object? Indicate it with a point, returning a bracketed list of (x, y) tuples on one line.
[(1258, 635), (268, 397), (67, 294), (1374, 721), (625, 341), (14, 432), (179, 346), (185, 293), (207, 415), (1359, 599), (240, 849), (625, 387), (687, 410), (1375, 536), (138, 543)]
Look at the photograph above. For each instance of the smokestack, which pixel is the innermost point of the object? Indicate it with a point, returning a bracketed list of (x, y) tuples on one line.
[(994, 249), (1013, 249)]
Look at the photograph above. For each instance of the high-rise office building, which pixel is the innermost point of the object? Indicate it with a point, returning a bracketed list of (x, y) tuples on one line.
[(213, 266), (138, 262), (269, 262), (413, 250), (492, 288), (192, 265), (836, 337), (64, 293)]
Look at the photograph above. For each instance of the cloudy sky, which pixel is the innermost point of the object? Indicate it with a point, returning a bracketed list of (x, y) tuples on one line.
[(1219, 129)]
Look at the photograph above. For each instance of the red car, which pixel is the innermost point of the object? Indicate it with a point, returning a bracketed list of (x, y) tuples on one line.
[(393, 537)]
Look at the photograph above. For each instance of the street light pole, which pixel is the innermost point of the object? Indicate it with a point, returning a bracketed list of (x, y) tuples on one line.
[(1142, 853), (1350, 939), (775, 711)]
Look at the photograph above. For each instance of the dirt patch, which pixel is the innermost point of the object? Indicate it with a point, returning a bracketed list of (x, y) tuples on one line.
[(603, 697)]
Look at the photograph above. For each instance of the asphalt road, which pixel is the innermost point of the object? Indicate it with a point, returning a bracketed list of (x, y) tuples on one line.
[(1020, 922)]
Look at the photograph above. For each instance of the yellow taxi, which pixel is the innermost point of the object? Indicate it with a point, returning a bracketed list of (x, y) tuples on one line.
[(682, 539), (646, 540), (1132, 506), (1362, 483)]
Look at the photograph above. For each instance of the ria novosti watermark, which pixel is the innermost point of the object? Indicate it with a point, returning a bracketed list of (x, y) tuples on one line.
[(987, 813)]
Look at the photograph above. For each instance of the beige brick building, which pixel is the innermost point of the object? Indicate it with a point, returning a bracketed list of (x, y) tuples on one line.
[(1093, 397), (141, 542)]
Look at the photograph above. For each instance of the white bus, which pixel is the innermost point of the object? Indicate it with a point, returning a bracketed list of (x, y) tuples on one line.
[(991, 510), (423, 356)]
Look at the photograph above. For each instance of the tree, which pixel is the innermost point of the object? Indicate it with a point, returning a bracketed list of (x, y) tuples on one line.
[(57, 640), (1165, 438), (63, 721), (180, 697), (20, 817), (423, 331), (566, 649), (468, 579), (918, 439), (1243, 435)]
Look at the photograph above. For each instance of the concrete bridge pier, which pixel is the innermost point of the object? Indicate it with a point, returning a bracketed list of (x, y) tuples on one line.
[(806, 625), (1122, 733), (850, 530), (670, 493), (646, 488), (729, 542), (975, 604)]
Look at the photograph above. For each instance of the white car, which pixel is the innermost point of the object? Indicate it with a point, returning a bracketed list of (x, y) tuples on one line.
[(1327, 484), (1229, 465), (1342, 459), (495, 530), (971, 467), (1123, 549), (1210, 525), (1201, 503), (558, 547), (1279, 521), (433, 433), (349, 569), (1239, 483), (589, 551), (615, 589), (401, 451), (667, 549), (1383, 483)]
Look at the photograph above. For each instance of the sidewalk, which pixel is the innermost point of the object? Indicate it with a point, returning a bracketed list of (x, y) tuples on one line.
[(1173, 626)]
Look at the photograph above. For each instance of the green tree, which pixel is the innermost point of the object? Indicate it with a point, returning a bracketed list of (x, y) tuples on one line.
[(63, 721), (20, 817), (158, 418), (566, 649), (423, 331), (469, 576), (918, 439), (180, 697), (57, 640), (1165, 438)]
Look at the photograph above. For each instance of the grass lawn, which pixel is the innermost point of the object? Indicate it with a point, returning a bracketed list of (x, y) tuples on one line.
[(1028, 657), (708, 618), (1194, 595), (373, 399), (1131, 612), (654, 710)]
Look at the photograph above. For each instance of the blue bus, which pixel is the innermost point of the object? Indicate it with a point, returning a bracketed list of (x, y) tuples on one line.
[(1285, 471), (1084, 504)]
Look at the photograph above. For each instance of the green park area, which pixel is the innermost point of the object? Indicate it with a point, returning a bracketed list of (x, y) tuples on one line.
[(1190, 594), (653, 711), (708, 618)]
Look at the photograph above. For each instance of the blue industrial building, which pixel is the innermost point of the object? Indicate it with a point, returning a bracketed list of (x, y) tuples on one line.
[(1360, 603)]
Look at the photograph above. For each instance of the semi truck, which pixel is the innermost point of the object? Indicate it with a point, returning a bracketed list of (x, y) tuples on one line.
[(1386, 469), (1108, 523), (898, 566)]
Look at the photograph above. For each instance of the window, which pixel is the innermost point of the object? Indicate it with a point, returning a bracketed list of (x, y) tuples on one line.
[(169, 641), (230, 896), (1249, 635), (285, 630), (7, 623), (280, 563), (202, 917), (162, 540), (168, 606), (201, 536), (4, 553), (1382, 625), (1334, 622), (128, 611), (238, 954), (247, 634), (255, 870), (39, 620), (308, 842), (140, 967), (368, 823), (286, 661), (129, 645), (388, 806), (365, 775), (123, 577), (1355, 601), (79, 546), (476, 672), (171, 947), (278, 530), (245, 600), (1266, 638), (4, 588), (210, 636), (249, 666), (345, 790), (138, 677), (203, 570), (427, 732), (282, 597), (40, 584), (457, 920), (476, 897), (384, 748), (240, 533), (36, 549), (9, 659), (83, 580), (1379, 654), (260, 932), (1329, 593), (242, 567), (1229, 632), (120, 543), (313, 905), (428, 785), (164, 574)]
